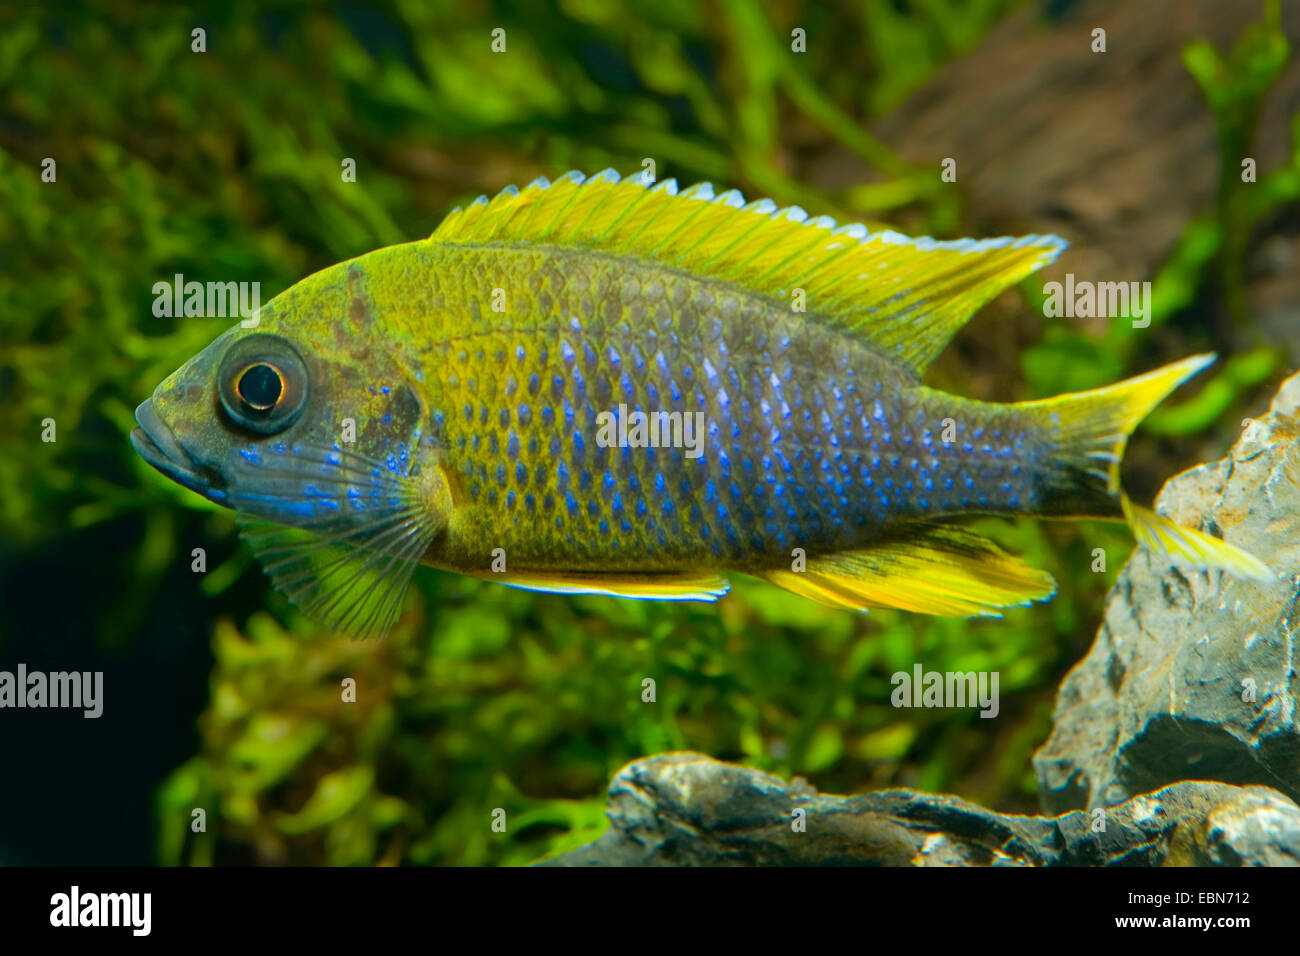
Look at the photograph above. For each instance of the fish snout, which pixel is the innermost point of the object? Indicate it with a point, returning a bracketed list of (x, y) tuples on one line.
[(156, 443)]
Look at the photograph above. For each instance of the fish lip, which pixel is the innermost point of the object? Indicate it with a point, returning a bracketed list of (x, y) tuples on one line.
[(155, 443)]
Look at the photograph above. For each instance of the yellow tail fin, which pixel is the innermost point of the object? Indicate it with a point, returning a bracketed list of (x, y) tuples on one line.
[(1160, 534), (1092, 429)]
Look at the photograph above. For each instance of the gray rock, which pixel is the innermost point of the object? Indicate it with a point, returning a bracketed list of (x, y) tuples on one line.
[(685, 809), (1193, 674)]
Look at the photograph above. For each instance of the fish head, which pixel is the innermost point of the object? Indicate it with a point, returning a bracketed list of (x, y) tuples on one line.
[(297, 419), (310, 425)]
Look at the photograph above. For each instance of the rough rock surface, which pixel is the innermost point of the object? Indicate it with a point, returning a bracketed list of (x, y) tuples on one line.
[(1193, 674), (685, 809)]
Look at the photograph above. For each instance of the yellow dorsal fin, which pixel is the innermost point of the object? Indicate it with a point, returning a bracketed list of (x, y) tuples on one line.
[(907, 296), (937, 569)]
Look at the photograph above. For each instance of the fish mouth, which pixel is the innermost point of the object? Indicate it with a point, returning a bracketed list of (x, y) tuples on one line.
[(155, 443)]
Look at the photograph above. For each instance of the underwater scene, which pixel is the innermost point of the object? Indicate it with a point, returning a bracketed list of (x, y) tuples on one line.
[(622, 433)]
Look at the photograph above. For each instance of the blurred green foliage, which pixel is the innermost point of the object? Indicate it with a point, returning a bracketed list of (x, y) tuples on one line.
[(225, 165)]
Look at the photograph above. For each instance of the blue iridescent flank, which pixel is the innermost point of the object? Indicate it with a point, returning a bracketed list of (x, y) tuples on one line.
[(810, 437)]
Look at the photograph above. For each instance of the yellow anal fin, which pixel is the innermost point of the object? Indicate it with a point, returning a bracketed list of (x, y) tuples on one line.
[(940, 569), (704, 586), (1164, 536)]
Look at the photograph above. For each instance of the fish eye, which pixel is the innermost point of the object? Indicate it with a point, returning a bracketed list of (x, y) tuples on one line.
[(263, 383), (260, 386)]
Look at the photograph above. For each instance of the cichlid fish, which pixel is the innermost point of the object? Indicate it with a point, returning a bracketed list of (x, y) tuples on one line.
[(595, 386)]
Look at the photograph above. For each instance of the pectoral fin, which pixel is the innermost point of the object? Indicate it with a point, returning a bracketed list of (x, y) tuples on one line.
[(937, 569)]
